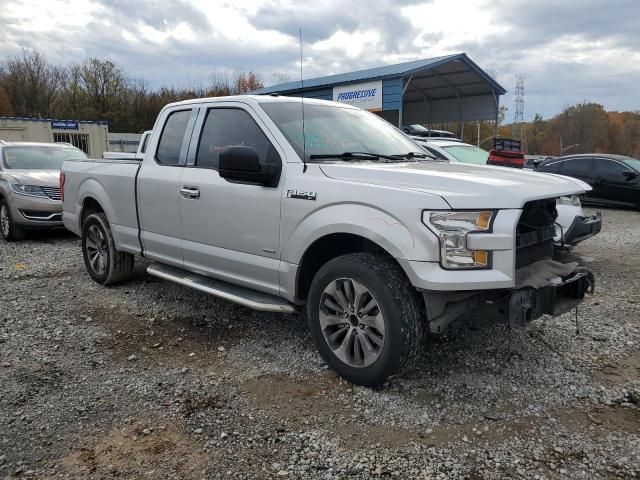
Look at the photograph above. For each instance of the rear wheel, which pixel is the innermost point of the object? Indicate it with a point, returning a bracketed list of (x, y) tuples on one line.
[(105, 264), (8, 228), (366, 318)]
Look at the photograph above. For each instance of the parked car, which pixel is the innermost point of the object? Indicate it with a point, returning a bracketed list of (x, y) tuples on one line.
[(614, 179), (530, 161), (453, 150), (506, 152), (142, 145), (572, 225), (379, 242), (29, 186), (420, 131)]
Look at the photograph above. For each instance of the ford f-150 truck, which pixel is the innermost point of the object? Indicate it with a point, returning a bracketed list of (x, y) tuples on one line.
[(276, 204)]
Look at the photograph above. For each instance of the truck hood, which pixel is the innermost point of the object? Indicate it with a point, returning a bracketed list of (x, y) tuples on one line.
[(43, 178), (461, 185)]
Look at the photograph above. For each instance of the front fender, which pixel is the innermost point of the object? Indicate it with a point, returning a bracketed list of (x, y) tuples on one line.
[(404, 238)]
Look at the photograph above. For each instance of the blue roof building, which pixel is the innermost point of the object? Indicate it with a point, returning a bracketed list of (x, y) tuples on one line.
[(451, 88)]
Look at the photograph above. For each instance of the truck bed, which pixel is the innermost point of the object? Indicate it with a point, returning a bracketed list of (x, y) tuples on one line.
[(113, 184)]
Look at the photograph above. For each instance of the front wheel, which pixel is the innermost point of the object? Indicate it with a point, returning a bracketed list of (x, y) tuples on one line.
[(366, 319), (10, 231), (105, 264)]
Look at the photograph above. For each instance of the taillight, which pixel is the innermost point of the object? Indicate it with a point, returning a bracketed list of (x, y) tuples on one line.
[(62, 186)]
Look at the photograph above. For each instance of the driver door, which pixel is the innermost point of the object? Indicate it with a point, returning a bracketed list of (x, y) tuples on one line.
[(230, 229)]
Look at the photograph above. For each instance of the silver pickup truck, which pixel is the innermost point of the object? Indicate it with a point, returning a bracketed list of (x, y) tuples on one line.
[(276, 204)]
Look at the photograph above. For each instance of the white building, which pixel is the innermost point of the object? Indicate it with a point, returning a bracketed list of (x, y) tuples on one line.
[(89, 136)]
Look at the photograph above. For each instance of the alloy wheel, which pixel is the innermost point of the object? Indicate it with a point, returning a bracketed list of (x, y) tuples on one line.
[(5, 224), (96, 246), (351, 322)]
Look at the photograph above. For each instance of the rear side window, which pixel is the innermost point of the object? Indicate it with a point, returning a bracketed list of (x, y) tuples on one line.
[(144, 143), (171, 138), (554, 167), (231, 127), (579, 166)]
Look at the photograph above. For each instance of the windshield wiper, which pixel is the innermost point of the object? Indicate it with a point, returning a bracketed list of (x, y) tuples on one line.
[(354, 156)]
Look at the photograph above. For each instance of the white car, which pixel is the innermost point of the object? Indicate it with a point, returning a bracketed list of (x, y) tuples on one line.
[(572, 225)]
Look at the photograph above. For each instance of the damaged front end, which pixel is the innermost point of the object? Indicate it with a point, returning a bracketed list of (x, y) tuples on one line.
[(547, 287), (542, 286)]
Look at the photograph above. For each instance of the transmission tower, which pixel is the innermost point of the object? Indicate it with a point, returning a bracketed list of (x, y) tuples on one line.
[(518, 110)]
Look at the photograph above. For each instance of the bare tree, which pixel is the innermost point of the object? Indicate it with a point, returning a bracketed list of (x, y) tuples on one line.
[(278, 78), (246, 82), (103, 84), (32, 84)]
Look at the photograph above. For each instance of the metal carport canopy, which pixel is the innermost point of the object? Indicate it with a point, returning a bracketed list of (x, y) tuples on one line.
[(451, 88)]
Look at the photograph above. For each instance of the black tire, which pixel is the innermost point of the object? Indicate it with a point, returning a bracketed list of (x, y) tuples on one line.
[(10, 231), (118, 266), (399, 303)]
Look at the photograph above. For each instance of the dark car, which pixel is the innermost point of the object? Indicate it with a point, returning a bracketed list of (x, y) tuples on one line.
[(420, 131), (615, 179)]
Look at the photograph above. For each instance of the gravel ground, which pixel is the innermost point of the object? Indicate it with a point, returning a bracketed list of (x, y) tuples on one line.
[(149, 379)]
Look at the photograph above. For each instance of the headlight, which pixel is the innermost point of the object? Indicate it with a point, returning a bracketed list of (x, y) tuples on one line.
[(572, 200), (452, 229), (31, 190)]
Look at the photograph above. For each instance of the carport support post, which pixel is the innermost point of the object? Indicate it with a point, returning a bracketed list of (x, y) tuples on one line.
[(461, 115), (404, 89), (496, 99)]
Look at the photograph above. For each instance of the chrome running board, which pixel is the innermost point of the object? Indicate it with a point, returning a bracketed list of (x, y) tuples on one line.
[(233, 293)]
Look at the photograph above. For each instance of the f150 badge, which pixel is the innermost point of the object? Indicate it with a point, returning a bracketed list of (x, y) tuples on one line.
[(301, 194)]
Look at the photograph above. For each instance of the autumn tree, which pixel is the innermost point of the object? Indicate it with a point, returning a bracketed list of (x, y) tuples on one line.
[(32, 84), (103, 85)]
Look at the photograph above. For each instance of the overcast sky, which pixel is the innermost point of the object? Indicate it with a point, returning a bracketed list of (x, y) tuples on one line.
[(568, 50)]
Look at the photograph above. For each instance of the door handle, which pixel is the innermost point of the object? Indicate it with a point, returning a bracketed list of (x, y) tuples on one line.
[(190, 192)]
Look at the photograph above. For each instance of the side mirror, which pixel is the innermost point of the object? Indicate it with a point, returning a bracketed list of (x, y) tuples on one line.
[(242, 165), (630, 174)]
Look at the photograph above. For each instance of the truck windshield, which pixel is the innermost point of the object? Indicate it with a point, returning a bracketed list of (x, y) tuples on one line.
[(330, 129), (468, 154), (39, 158)]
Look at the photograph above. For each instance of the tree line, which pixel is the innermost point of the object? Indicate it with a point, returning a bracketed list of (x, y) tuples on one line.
[(98, 89), (582, 128)]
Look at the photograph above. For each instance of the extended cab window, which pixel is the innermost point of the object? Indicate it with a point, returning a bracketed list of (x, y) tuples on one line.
[(231, 127), (171, 138)]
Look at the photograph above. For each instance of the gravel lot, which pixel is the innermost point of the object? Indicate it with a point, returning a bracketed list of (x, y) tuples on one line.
[(151, 380)]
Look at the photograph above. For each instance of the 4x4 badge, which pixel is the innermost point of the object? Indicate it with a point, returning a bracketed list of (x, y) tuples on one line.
[(301, 194)]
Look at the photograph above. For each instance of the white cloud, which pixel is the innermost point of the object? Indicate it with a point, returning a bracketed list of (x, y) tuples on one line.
[(570, 51)]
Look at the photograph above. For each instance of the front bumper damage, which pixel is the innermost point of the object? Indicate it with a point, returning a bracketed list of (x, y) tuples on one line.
[(580, 229), (545, 287)]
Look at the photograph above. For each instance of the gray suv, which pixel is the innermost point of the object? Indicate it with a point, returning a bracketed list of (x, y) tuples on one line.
[(30, 195)]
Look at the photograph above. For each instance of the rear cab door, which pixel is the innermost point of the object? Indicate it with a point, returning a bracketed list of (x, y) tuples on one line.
[(158, 185)]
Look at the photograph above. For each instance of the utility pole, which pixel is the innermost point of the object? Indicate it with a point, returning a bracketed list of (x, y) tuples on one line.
[(517, 129)]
